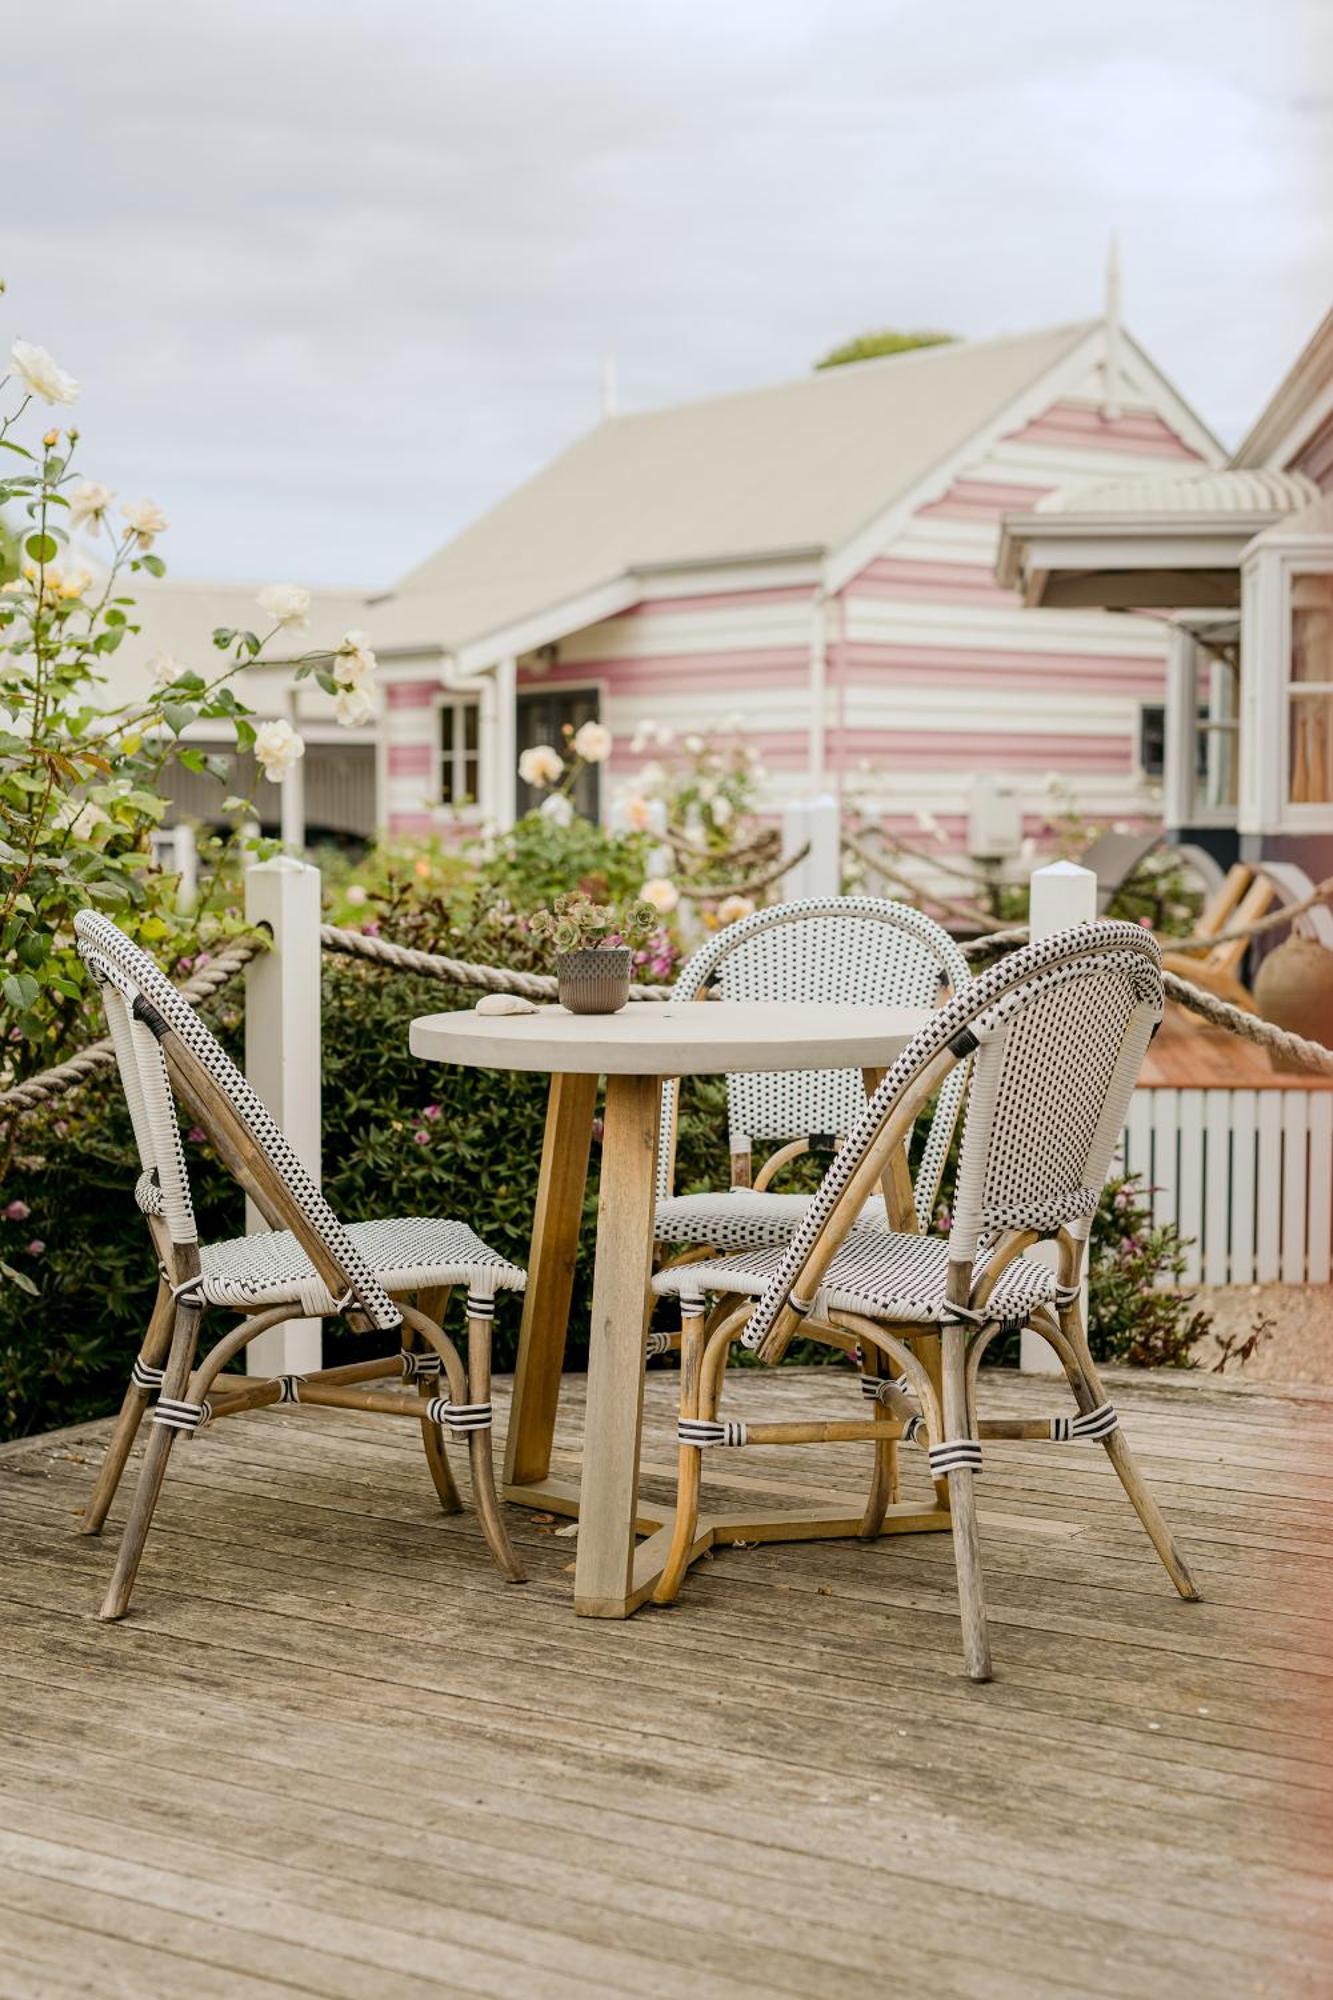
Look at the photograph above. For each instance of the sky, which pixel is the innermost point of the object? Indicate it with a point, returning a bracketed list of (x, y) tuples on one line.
[(335, 277)]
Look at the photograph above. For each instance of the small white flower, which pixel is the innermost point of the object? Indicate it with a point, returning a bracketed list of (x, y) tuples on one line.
[(354, 707), (67, 584), (666, 736), (16, 587), (557, 809), (693, 745), (356, 893), (145, 521), (541, 765), (733, 909), (163, 670), (287, 605), (645, 734), (652, 777), (355, 663), (592, 743), (40, 375), (637, 812), (277, 748), (722, 810), (88, 504), (661, 893)]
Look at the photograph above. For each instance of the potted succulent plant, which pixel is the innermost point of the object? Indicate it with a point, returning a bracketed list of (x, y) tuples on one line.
[(593, 945)]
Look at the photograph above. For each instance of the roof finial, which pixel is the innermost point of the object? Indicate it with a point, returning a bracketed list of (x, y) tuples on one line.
[(1111, 364), (608, 385)]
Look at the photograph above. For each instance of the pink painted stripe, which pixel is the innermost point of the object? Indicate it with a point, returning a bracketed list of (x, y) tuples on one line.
[(722, 600), (929, 582), (667, 673), (983, 500), (410, 760), (1001, 669), (408, 694), (968, 749), (1083, 424)]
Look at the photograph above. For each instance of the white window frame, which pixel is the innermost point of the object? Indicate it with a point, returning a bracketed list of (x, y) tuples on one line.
[(1314, 815), (459, 703), (1180, 780)]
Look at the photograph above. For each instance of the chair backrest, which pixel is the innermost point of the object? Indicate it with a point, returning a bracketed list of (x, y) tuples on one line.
[(860, 949), (1056, 1034), (148, 1021)]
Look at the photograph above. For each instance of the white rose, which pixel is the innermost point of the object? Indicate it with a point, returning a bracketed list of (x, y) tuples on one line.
[(145, 521), (557, 809), (353, 707), (163, 670), (40, 375), (277, 748), (592, 743), (638, 812), (733, 909), (287, 605), (355, 664), (661, 893), (541, 765), (88, 504), (693, 745), (67, 583)]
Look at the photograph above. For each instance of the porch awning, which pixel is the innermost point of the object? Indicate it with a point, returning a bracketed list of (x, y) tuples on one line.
[(1165, 543)]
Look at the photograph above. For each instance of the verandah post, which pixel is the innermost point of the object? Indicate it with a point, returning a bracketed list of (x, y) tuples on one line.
[(282, 1058), (1059, 895)]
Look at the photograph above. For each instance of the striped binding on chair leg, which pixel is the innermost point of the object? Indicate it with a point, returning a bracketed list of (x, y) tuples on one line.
[(289, 1387), (1090, 1426), (702, 1431), (657, 1343), (955, 1455), (175, 1414), (145, 1377), (420, 1367), (459, 1417), (481, 1305), (873, 1387)]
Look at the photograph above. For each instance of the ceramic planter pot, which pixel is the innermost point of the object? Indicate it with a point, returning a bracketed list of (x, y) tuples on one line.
[(1294, 989), (595, 981)]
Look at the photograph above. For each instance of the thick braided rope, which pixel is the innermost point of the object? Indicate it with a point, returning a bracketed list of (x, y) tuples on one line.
[(455, 971), (1310, 1055), (51, 1083)]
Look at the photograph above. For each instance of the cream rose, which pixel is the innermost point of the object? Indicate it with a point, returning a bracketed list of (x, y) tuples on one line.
[(592, 743), (277, 748), (145, 521), (355, 664), (287, 605), (40, 375), (88, 504), (541, 765), (558, 810), (163, 671), (354, 707), (661, 893), (734, 909)]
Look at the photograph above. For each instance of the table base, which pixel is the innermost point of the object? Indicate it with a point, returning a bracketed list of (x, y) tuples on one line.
[(655, 1521)]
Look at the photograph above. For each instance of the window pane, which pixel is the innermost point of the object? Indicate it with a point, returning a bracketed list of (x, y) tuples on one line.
[(1312, 629), (471, 711), (1311, 750)]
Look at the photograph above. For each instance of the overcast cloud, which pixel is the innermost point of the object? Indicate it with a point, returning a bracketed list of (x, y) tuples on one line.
[(336, 276)]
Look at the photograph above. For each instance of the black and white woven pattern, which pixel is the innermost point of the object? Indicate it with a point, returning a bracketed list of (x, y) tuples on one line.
[(882, 1275), (120, 964), (739, 1217), (851, 949), (1090, 1426), (405, 1252), (976, 1016)]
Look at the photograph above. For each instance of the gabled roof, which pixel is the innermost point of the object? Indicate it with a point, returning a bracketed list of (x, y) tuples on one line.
[(798, 468)]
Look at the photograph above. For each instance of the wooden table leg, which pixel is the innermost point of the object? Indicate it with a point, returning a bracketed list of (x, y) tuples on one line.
[(614, 1421), (555, 1242)]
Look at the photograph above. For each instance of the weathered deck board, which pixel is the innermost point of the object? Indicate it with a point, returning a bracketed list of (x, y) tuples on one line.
[(332, 1754)]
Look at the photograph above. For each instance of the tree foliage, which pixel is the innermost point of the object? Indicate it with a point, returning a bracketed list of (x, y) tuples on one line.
[(868, 346)]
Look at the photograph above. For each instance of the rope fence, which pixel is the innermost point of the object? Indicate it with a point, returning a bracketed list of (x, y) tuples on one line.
[(50, 1084)]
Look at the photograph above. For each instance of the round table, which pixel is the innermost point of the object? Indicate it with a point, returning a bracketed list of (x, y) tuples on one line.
[(635, 1050)]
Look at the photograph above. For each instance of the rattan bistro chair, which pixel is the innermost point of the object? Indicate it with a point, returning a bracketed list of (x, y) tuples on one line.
[(840, 948), (307, 1265), (1056, 1034)]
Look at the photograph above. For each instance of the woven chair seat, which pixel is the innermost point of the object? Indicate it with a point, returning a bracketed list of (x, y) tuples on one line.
[(734, 1218), (405, 1252), (876, 1272)]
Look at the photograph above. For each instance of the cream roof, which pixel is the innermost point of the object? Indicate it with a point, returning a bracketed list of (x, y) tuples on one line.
[(799, 467), (1210, 492)]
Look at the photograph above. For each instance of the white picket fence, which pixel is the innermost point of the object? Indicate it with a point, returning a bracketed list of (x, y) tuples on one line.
[(1245, 1175)]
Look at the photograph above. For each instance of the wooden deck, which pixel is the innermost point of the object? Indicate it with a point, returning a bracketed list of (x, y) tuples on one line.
[(331, 1754), (1188, 1055)]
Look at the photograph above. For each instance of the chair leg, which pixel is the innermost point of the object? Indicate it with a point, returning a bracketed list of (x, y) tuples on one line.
[(884, 1481), (958, 1423), (693, 1326), (153, 1352), (1089, 1393), (435, 1304), (184, 1338), (479, 1444)]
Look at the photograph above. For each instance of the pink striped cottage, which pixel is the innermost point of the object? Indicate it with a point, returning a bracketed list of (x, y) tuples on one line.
[(819, 557)]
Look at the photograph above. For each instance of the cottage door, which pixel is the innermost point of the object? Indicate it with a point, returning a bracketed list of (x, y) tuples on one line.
[(542, 715)]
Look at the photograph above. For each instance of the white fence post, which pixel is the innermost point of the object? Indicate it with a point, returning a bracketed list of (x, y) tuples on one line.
[(817, 822), (282, 1057), (1059, 895)]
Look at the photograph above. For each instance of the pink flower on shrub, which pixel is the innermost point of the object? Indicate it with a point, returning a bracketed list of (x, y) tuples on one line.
[(18, 1211), (36, 1247), (431, 1111), (422, 1136), (598, 1129), (196, 1135)]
